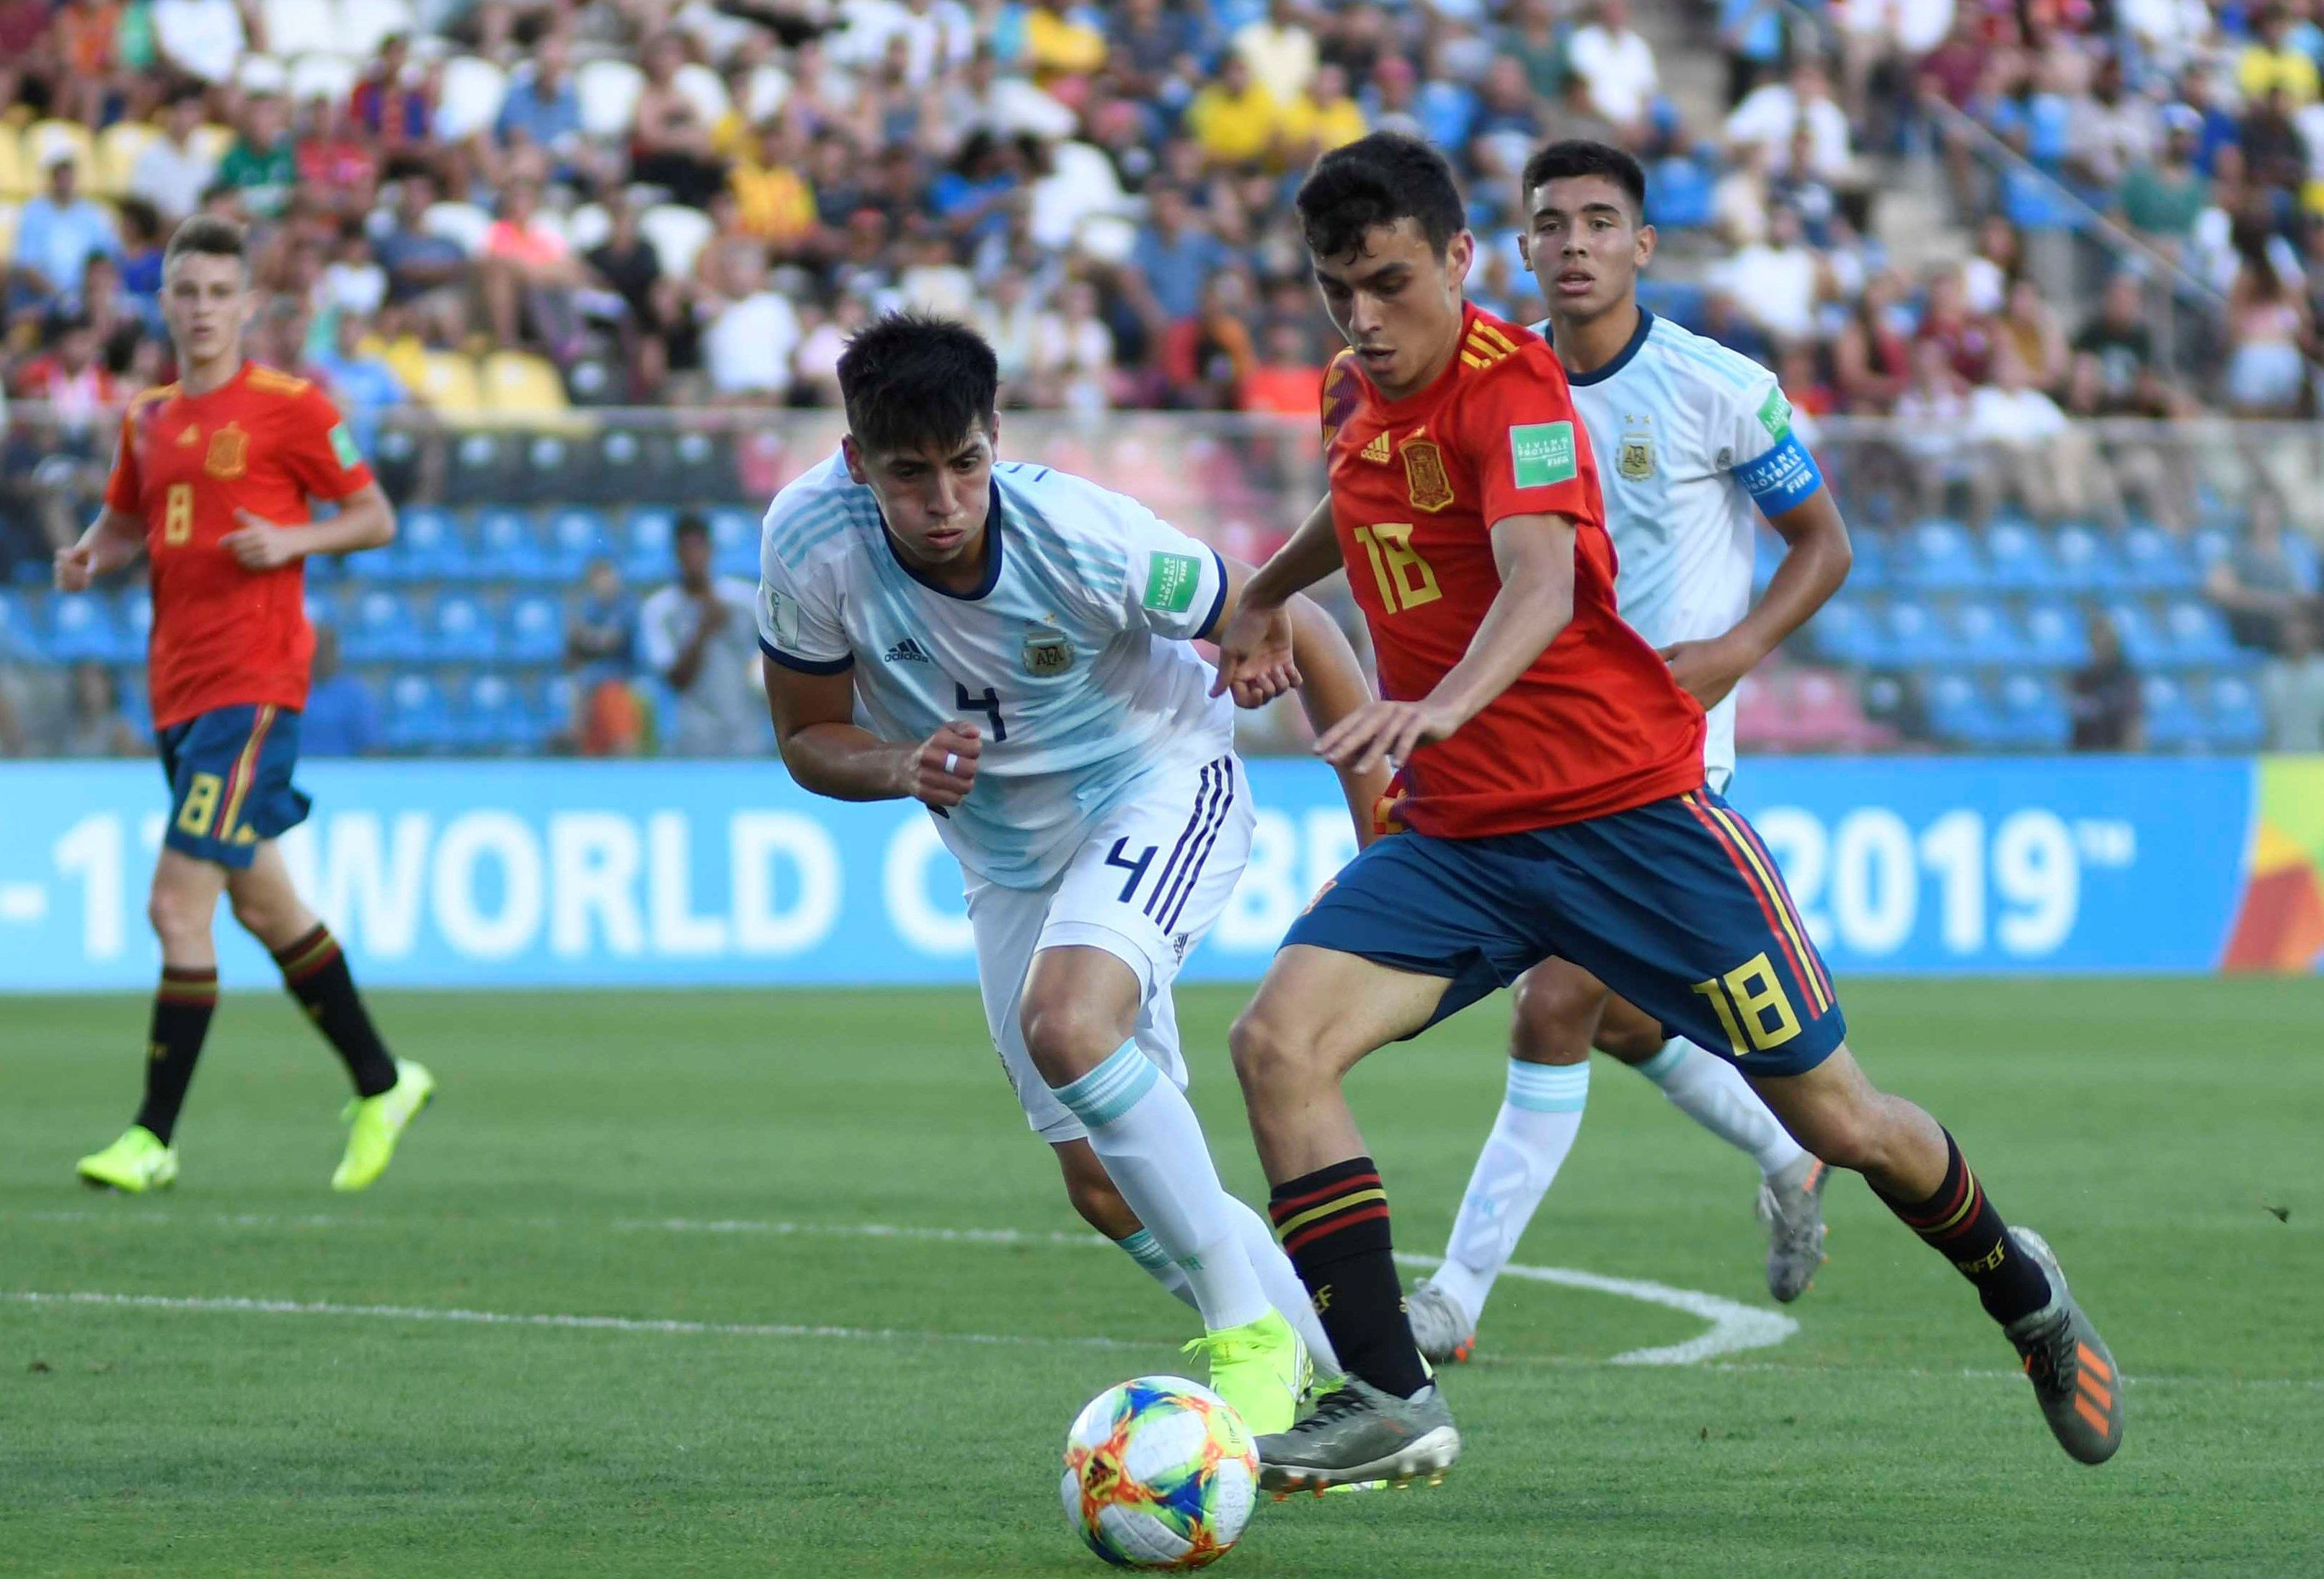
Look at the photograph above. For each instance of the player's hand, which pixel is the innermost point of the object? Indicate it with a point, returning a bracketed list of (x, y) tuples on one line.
[(1706, 670), (715, 613), (1255, 659), (258, 544), (944, 767), (76, 568), (1388, 730)]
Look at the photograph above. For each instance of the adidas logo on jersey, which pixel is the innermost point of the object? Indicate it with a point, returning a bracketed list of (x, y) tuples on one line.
[(1377, 450), (909, 650)]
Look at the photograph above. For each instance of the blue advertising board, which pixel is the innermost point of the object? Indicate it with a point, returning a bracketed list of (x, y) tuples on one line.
[(558, 873)]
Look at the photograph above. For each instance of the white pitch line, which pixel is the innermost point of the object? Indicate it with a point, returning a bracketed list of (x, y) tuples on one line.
[(1735, 1327)]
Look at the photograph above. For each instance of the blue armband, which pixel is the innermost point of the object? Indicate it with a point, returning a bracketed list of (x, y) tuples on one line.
[(1784, 477)]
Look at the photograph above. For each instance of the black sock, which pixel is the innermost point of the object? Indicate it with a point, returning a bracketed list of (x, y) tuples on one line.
[(1333, 1224), (1960, 1224), (182, 1006), (317, 975)]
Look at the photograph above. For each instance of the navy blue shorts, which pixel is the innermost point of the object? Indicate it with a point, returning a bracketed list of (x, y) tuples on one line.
[(229, 772), (1675, 905)]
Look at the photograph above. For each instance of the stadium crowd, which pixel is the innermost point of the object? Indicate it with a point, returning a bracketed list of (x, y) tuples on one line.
[(492, 205)]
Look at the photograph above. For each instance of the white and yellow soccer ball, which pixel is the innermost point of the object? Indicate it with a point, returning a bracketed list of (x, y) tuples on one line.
[(1160, 1472)]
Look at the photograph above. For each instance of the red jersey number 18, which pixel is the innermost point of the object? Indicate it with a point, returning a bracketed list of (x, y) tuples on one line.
[(1406, 580)]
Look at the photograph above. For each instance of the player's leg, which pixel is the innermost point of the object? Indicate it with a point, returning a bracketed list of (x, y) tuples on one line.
[(1101, 1205), (1678, 907), (1557, 1005), (390, 1092), (1712, 1092)]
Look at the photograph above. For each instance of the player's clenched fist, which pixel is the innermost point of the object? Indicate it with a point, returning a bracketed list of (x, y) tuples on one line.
[(259, 544), (944, 768), (76, 568)]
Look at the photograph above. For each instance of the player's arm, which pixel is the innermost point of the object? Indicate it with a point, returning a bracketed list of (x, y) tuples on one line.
[(829, 754), (1254, 642), (1816, 561), (112, 540), (365, 520), (1535, 557), (1331, 688)]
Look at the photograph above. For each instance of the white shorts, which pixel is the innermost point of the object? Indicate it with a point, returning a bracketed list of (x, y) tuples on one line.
[(1145, 886)]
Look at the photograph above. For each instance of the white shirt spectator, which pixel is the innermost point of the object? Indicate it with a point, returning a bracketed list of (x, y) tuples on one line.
[(1282, 60), (1775, 287), (747, 349), (1915, 26), (171, 177), (1620, 68), (946, 290), (723, 713), (2013, 417), (203, 38), (1768, 115), (358, 288)]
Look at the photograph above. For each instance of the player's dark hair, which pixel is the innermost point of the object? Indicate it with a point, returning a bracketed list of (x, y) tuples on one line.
[(210, 236), (689, 523), (1377, 180), (914, 381), (1562, 161)]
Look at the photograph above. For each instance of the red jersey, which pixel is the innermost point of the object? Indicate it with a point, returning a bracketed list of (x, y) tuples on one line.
[(1596, 724), (265, 442)]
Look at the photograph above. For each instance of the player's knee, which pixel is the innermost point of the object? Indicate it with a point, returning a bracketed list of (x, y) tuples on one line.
[(1631, 1043), (1268, 1054), (1552, 1019), (179, 919), (1845, 1134), (1068, 1039), (264, 916)]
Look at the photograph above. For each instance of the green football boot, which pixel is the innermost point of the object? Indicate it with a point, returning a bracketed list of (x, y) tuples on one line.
[(134, 1164), (375, 1124), (1261, 1368)]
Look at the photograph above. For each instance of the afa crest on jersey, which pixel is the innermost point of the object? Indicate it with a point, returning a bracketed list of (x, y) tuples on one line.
[(1047, 653), (1426, 481), (1635, 459)]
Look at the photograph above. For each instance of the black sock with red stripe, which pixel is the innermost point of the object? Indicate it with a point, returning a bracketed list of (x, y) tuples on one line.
[(317, 975), (1333, 1224), (182, 1006), (1959, 1224)]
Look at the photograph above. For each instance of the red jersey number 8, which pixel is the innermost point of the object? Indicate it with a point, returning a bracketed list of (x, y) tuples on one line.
[(178, 514), (1406, 581)]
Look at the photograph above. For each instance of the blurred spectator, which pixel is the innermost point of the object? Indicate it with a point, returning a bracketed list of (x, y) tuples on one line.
[(600, 640), (1174, 255), (69, 376), (2272, 63), (2114, 131), (749, 329), (95, 723), (172, 171), (1235, 119), (2161, 197), (1618, 65), (773, 202), (1211, 354), (427, 274), (700, 634), (1279, 50), (2116, 373), (2292, 688), (57, 231), (1073, 364), (543, 108), (2267, 329), (362, 384), (2103, 698), (388, 103), (1751, 38), (1965, 337), (1321, 118), (669, 146), (528, 274), (2035, 333), (1931, 423), (352, 282), (263, 165), (1534, 42), (2256, 584), (1010, 320), (1776, 116), (204, 39), (626, 266), (2028, 448), (1872, 359), (1999, 258), (1779, 281), (341, 719), (338, 167), (1286, 380)]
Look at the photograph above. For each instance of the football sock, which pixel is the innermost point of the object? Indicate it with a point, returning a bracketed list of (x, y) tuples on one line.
[(1140, 1247), (182, 1006), (1280, 1279), (1712, 1092), (1336, 1229), (1539, 1118), (1142, 1129), (1960, 1224), (317, 975)]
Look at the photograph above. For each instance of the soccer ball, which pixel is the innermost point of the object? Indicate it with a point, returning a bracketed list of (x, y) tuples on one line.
[(1160, 1472)]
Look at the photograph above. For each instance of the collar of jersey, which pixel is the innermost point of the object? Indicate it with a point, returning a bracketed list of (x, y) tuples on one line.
[(240, 373), (994, 539), (1621, 358)]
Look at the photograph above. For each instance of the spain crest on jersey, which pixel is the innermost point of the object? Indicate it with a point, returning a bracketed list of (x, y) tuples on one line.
[(229, 453), (1425, 482)]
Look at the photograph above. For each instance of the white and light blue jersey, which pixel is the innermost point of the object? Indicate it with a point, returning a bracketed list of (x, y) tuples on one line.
[(1693, 443), (1071, 659)]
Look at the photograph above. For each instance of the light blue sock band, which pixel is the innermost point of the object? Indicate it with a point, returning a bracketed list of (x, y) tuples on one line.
[(1661, 1067), (1112, 1089), (1549, 1088), (1141, 1248)]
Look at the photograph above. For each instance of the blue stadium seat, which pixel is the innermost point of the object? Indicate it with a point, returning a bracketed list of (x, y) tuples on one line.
[(1844, 632), (1940, 555), (380, 628), (2234, 719), (491, 717), (1678, 194), (2171, 721), (1983, 633), (509, 546), (1914, 635), (1872, 565), (2208, 547), (2155, 561), (462, 632), (735, 543), (645, 552), (2020, 557), (1679, 300), (1959, 712), (2033, 714), (2197, 636), (576, 537), (2057, 637), (416, 718), (435, 547), (135, 606), (82, 629), (2144, 642), (376, 564), (2087, 559), (20, 637), (535, 630)]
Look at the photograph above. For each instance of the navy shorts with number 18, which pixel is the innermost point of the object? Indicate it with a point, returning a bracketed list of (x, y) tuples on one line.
[(1675, 905), (229, 772)]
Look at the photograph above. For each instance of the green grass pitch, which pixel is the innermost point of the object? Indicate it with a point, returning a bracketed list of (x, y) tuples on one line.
[(634, 1156)]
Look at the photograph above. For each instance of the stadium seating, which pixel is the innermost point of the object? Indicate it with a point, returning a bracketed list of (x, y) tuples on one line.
[(82, 629)]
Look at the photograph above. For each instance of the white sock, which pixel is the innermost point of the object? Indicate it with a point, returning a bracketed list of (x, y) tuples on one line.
[(1712, 1092), (1539, 1119), (1142, 1129), (1141, 1248), (1285, 1291)]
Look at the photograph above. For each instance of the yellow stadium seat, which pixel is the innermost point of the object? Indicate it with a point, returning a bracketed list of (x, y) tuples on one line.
[(117, 148), (41, 137), (524, 390), (448, 381), (16, 173)]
